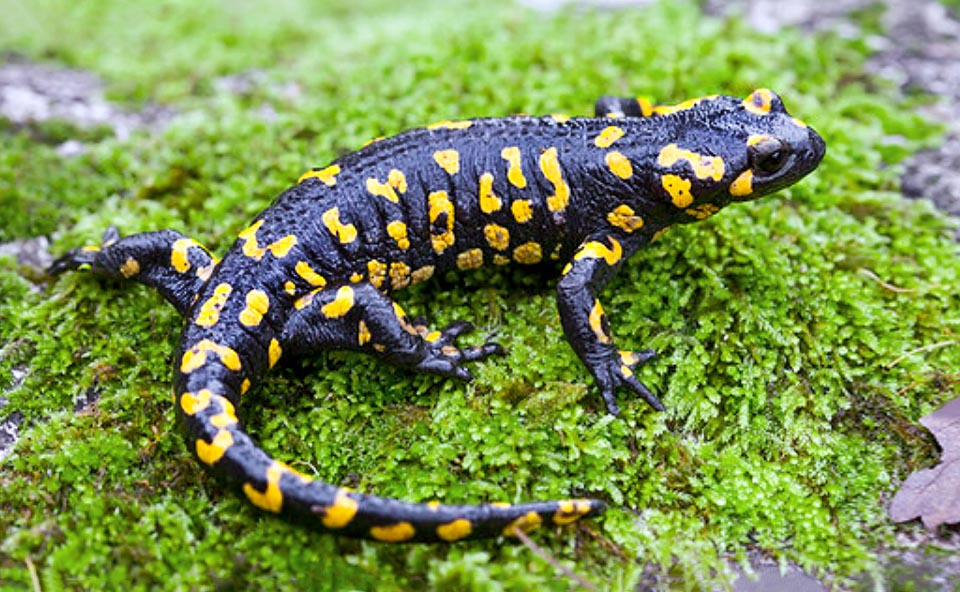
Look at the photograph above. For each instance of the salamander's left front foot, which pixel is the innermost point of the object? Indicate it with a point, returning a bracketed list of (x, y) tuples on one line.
[(618, 371)]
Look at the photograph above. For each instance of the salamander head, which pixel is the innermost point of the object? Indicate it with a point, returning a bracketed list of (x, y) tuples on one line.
[(726, 149)]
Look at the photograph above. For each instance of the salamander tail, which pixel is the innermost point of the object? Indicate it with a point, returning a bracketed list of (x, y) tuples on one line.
[(215, 435)]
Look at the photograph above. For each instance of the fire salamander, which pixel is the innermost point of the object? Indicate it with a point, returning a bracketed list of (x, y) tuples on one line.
[(316, 270)]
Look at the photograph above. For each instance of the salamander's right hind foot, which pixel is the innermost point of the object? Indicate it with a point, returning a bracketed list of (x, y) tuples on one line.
[(83, 258), (175, 265)]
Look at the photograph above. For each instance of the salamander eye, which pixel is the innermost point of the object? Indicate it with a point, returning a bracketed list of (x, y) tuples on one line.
[(769, 155)]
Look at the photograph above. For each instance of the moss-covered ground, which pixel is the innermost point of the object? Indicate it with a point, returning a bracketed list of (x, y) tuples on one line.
[(801, 335)]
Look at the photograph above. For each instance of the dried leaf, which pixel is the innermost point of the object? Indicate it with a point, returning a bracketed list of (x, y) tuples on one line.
[(933, 495)]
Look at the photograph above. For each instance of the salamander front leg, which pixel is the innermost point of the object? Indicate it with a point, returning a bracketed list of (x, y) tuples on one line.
[(175, 265), (360, 317), (586, 325)]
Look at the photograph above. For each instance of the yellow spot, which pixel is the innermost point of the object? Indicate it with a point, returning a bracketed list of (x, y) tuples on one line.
[(489, 202), (341, 512), (608, 136), (679, 190), (646, 109), (570, 511), (560, 117), (755, 139), (432, 336), (499, 259), (449, 160), (372, 141), (514, 172), (759, 101), (313, 278), (422, 274), (619, 164), (178, 254), (196, 356), (596, 322), (210, 310), (703, 211), (193, 403), (550, 167), (624, 218), (281, 247), (227, 417), (206, 271), (395, 533), (252, 248), (244, 386), (597, 250), (327, 175), (447, 124), (377, 272), (398, 232), (340, 305), (345, 233), (528, 253), (271, 499), (742, 186), (626, 372), (454, 531), (497, 236), (627, 357), (522, 210), (399, 275), (526, 523), (91, 249), (403, 320), (130, 267), (257, 305), (356, 277), (214, 451), (470, 259), (704, 167), (363, 333), (396, 181), (307, 299), (682, 106), (440, 205), (274, 352)]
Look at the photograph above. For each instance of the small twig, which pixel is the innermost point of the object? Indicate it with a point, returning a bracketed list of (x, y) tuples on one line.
[(34, 577), (919, 350), (884, 284), (526, 540), (610, 545)]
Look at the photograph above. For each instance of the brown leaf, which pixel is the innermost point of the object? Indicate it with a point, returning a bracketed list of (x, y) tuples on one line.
[(933, 495)]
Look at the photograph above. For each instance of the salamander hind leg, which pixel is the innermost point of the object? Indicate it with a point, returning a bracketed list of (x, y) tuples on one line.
[(360, 317), (175, 265)]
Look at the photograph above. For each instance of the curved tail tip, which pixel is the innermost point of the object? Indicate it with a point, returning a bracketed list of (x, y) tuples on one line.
[(561, 513)]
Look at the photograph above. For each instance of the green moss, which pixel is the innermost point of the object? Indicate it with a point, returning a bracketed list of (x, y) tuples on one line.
[(783, 368)]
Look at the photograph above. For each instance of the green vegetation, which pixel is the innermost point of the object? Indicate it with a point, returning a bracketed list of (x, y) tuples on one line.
[(785, 325)]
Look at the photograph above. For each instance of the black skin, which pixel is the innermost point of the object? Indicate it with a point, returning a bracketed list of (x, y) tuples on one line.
[(317, 269)]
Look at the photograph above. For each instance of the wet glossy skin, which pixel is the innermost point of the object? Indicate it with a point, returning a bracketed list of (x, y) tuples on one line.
[(316, 270)]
